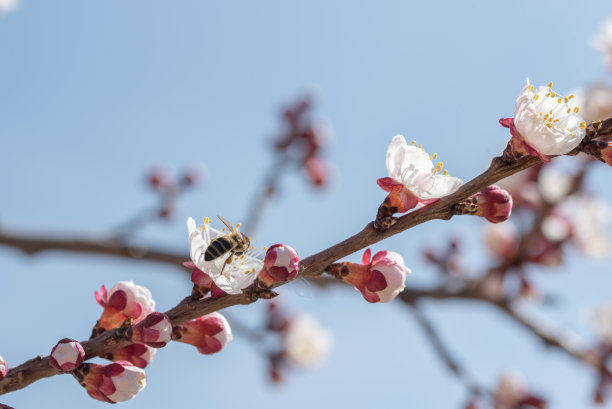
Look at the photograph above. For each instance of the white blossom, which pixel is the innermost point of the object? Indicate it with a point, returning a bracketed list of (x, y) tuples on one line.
[(602, 41), (229, 277), (413, 167), (547, 121), (601, 319), (306, 342), (8, 5)]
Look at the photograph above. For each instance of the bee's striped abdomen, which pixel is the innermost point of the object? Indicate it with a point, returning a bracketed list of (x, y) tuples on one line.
[(217, 248)]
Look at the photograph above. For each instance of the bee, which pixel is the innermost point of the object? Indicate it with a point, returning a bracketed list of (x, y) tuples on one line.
[(233, 242)]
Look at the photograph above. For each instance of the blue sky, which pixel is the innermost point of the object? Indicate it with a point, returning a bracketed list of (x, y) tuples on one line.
[(92, 94)]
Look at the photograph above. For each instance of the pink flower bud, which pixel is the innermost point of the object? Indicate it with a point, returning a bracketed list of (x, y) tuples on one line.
[(125, 300), (155, 330), (139, 355), (66, 355), (209, 333), (280, 265), (317, 171), (511, 389), (492, 203), (116, 382), (3, 368), (202, 283), (379, 279)]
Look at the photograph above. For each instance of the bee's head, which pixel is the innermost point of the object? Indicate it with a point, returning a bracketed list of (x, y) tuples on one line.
[(246, 241)]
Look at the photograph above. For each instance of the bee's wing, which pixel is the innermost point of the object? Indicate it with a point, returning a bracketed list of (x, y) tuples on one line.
[(227, 223)]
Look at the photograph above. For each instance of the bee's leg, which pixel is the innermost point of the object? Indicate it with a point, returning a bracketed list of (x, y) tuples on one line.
[(227, 261)]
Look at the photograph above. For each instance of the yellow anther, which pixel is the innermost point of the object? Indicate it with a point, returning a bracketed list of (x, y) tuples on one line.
[(576, 109), (582, 125), (550, 112), (250, 238), (242, 263), (549, 125), (536, 97), (252, 247), (420, 146), (550, 85), (445, 173), (203, 228), (265, 248), (547, 94), (412, 143), (553, 94), (223, 229), (556, 120), (439, 166), (435, 156), (530, 87), (545, 117), (572, 96), (569, 110), (239, 224), (559, 100), (566, 99)]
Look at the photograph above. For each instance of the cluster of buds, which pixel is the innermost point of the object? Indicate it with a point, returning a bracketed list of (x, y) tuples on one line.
[(304, 342), (169, 189), (492, 203), (379, 278), (209, 333), (306, 140)]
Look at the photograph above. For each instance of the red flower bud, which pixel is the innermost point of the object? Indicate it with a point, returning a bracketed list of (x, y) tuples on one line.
[(116, 382), (209, 333), (66, 355), (280, 265), (155, 330), (493, 203)]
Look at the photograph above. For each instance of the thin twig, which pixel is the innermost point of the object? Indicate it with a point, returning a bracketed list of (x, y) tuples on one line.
[(444, 353)]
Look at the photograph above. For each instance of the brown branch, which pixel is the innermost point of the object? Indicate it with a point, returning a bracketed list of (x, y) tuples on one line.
[(443, 352), (187, 309), (31, 244)]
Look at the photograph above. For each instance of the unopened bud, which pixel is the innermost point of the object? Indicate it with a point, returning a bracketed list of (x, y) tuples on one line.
[(66, 355), (116, 382), (280, 265), (139, 355), (380, 279), (493, 203), (3, 368), (317, 171), (208, 333), (124, 300), (155, 330), (158, 179)]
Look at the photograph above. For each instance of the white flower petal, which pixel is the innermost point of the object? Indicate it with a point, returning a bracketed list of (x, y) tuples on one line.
[(412, 166), (229, 277)]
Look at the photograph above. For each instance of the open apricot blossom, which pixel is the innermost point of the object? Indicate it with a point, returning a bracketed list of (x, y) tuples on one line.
[(66, 355), (116, 382), (306, 342), (280, 265), (544, 124), (139, 355), (124, 300), (208, 333), (413, 179), (230, 276), (493, 203), (202, 283), (155, 330), (380, 278), (3, 368)]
